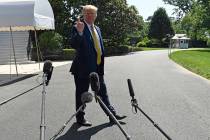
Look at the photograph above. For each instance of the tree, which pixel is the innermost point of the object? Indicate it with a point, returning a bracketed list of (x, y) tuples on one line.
[(65, 13), (183, 6), (160, 25), (117, 20), (206, 12), (194, 23)]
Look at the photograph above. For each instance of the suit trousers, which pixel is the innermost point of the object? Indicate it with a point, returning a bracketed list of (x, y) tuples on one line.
[(82, 85)]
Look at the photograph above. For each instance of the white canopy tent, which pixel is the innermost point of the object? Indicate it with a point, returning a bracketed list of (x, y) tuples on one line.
[(25, 15)]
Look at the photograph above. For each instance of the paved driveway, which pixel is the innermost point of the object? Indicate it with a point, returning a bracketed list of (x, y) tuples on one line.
[(173, 97)]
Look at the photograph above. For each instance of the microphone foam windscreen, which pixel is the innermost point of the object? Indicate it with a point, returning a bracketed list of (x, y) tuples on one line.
[(94, 81), (47, 66), (86, 97)]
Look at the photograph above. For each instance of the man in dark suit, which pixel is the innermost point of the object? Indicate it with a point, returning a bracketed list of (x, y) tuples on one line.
[(87, 40)]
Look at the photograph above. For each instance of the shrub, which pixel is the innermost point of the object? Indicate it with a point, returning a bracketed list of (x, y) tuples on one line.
[(68, 54), (50, 42), (116, 50), (135, 49), (144, 43), (49, 56), (154, 43), (141, 44)]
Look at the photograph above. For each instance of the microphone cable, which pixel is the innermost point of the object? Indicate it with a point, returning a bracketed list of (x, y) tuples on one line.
[(12, 98)]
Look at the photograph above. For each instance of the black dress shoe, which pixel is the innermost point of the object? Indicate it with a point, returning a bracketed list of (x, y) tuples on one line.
[(111, 121), (118, 117), (84, 123)]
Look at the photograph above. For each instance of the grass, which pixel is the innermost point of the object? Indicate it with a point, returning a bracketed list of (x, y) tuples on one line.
[(197, 61)]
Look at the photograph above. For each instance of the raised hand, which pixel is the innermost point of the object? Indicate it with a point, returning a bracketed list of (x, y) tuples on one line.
[(79, 25)]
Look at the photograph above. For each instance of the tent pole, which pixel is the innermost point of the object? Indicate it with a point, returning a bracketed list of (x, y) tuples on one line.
[(10, 58), (13, 50), (37, 48)]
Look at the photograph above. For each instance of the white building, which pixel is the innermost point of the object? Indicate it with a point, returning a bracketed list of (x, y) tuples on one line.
[(180, 41)]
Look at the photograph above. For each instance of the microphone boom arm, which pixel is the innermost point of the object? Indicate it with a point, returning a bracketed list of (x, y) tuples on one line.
[(95, 86), (81, 108), (85, 98), (135, 105), (113, 117)]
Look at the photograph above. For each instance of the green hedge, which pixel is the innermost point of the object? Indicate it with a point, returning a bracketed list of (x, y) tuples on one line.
[(65, 54), (117, 50), (143, 43), (135, 49), (69, 54)]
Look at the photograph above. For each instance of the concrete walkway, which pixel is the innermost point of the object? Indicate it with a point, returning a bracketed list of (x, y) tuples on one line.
[(9, 75), (27, 68)]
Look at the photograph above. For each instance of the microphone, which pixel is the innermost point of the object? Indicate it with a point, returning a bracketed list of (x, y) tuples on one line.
[(133, 100), (130, 88), (48, 69), (86, 97), (94, 82)]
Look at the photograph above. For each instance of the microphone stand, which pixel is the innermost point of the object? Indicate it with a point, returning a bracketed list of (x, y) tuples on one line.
[(95, 86), (81, 108), (155, 124), (134, 104), (112, 116), (43, 125)]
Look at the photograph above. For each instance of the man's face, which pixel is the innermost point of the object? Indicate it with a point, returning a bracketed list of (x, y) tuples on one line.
[(90, 16)]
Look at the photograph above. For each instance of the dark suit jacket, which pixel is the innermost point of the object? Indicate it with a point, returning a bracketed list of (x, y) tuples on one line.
[(85, 60)]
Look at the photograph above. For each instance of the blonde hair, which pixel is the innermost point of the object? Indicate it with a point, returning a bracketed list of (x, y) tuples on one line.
[(89, 7)]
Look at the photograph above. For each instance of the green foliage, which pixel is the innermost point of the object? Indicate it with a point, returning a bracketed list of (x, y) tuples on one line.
[(193, 23), (197, 17), (116, 50), (135, 49), (183, 6), (144, 31), (50, 41), (68, 54), (141, 44), (65, 13), (160, 25), (154, 43), (144, 43), (177, 26), (117, 20)]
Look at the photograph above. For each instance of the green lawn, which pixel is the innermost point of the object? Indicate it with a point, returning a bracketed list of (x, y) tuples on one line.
[(197, 61)]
